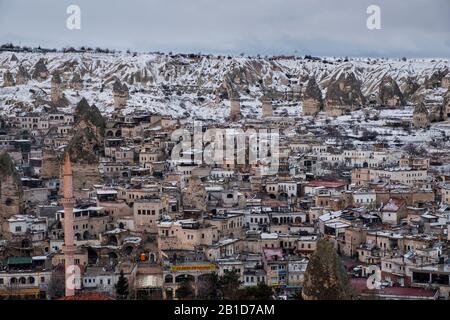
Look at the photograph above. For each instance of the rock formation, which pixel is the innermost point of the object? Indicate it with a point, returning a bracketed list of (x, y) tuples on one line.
[(446, 81), (120, 95), (57, 88), (194, 195), (389, 93), (76, 82), (235, 105), (82, 150), (10, 188), (343, 94), (40, 72), (312, 98), (421, 116), (8, 79), (435, 80), (50, 163), (267, 107), (409, 88), (325, 276), (14, 58), (22, 76), (447, 105), (90, 114), (84, 146)]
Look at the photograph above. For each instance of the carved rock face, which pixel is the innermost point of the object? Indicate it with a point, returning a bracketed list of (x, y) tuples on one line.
[(345, 91), (22, 76), (312, 98), (120, 94), (91, 114), (10, 188), (410, 87), (435, 80), (389, 93), (76, 82), (41, 72), (421, 117)]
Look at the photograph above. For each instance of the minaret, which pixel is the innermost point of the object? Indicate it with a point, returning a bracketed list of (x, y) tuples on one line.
[(68, 248)]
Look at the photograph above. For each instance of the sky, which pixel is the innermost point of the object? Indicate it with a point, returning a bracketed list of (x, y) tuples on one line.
[(409, 28)]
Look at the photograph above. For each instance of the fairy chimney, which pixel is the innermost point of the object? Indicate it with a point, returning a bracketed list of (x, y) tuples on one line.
[(267, 107), (76, 82), (421, 117), (389, 93), (22, 76), (235, 105), (120, 95), (57, 88), (343, 94), (41, 72), (10, 188), (8, 79), (312, 98)]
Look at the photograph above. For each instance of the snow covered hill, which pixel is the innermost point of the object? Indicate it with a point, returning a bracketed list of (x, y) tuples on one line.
[(193, 85)]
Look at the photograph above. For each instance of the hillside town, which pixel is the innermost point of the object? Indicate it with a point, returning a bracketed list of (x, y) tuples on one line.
[(160, 176)]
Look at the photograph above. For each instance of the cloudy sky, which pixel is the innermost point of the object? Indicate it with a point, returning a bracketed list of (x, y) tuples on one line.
[(412, 28)]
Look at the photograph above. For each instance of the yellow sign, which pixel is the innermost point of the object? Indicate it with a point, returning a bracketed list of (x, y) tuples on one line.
[(193, 267)]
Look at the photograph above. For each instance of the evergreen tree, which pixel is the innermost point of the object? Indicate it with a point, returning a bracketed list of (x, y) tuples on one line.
[(325, 276), (229, 283), (185, 291), (259, 292), (122, 287), (209, 287)]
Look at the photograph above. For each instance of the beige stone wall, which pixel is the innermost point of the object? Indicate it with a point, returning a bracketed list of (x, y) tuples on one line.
[(381, 241), (231, 227), (147, 214), (411, 198), (185, 239), (50, 164), (354, 237), (116, 209), (311, 106), (85, 176)]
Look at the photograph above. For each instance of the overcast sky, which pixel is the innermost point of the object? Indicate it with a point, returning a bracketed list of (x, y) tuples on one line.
[(411, 28)]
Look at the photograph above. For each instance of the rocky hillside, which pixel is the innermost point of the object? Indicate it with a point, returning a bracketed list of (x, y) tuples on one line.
[(199, 85)]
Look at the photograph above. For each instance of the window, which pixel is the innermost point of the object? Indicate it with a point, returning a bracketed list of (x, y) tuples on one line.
[(18, 228)]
